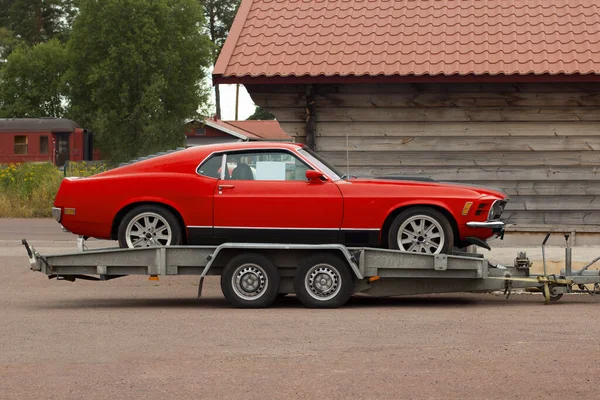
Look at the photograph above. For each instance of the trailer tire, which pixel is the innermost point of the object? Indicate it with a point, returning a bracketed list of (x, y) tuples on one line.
[(335, 285), (250, 281)]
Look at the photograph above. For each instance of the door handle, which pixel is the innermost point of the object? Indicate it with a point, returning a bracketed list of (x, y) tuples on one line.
[(221, 187)]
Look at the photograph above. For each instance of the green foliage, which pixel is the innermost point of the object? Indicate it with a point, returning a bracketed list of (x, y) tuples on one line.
[(7, 44), (28, 189), (136, 72), (262, 114), (219, 16), (37, 21), (31, 81)]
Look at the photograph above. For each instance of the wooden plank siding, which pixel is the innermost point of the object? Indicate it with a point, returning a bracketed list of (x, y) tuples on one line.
[(538, 142)]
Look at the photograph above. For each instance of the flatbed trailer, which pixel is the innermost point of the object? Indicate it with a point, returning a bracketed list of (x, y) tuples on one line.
[(321, 276)]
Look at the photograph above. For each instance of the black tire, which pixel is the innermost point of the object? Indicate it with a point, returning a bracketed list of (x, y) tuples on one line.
[(333, 265), (259, 267), (553, 296), (168, 216), (429, 212)]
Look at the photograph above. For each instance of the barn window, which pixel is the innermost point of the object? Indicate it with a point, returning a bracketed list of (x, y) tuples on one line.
[(20, 144), (200, 131), (43, 144)]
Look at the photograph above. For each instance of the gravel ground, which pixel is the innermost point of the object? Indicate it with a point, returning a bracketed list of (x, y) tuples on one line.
[(135, 338)]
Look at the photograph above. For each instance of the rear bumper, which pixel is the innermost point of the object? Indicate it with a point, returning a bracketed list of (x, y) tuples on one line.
[(57, 213)]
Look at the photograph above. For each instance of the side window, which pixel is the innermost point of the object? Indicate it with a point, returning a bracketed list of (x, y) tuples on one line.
[(20, 144), (266, 166), (211, 167)]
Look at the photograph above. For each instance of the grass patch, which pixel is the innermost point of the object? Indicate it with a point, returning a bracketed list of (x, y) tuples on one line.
[(28, 190)]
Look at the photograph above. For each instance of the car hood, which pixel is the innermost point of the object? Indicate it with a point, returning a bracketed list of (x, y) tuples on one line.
[(424, 182)]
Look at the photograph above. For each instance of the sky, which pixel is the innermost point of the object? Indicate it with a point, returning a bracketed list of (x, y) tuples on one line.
[(246, 105)]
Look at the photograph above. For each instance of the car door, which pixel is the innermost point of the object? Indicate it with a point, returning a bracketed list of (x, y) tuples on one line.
[(265, 197)]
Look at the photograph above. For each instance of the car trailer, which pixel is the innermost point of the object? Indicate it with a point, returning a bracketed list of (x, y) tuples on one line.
[(321, 276)]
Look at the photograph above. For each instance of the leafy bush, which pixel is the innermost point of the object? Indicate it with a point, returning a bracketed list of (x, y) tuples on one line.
[(28, 190)]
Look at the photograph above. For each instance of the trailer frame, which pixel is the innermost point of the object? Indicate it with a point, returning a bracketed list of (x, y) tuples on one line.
[(323, 276)]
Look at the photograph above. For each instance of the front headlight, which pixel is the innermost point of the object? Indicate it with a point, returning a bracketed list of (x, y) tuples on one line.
[(496, 210)]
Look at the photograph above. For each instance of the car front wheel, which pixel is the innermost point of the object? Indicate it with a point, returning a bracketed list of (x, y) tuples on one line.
[(149, 226), (421, 230)]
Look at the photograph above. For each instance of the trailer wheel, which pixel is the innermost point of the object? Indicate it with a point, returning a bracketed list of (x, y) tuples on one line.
[(250, 281), (323, 281), (554, 296)]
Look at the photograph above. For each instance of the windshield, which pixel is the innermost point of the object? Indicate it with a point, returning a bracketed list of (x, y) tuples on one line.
[(321, 163)]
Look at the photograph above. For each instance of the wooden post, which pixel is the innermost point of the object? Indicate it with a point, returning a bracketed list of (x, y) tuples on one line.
[(311, 117), (237, 99)]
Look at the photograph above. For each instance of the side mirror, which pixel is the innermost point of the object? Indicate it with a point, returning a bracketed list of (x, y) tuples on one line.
[(312, 175)]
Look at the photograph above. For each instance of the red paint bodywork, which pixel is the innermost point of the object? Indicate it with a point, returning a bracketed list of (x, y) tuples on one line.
[(172, 180)]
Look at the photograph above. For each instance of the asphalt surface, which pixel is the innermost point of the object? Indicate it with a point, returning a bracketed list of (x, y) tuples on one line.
[(135, 338)]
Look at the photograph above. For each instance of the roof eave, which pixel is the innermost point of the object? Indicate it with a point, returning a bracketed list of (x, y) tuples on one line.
[(322, 79)]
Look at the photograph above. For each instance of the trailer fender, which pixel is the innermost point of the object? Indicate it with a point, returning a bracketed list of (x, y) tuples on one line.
[(352, 259)]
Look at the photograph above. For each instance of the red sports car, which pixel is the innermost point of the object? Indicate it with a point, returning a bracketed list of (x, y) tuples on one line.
[(272, 192)]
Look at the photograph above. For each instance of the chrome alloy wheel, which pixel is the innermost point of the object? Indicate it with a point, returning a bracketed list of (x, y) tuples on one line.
[(322, 282), (249, 281), (148, 230), (421, 234)]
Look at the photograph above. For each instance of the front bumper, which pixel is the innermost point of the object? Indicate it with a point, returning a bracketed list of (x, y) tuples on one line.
[(486, 224), (497, 227)]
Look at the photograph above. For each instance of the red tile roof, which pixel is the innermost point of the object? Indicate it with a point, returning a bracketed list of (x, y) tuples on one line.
[(251, 129), (291, 38)]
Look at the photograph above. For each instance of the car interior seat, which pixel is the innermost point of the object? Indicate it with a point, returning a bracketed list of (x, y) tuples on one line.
[(242, 172)]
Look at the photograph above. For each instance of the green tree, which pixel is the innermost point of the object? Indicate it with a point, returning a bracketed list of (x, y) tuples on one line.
[(219, 17), (31, 81), (37, 21), (136, 72), (261, 113), (7, 44)]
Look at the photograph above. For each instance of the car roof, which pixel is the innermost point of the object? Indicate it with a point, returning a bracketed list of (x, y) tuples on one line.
[(219, 147)]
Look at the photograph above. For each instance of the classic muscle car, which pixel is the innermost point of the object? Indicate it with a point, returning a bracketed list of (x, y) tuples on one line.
[(272, 192)]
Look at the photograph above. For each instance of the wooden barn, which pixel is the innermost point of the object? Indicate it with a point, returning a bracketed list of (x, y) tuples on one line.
[(497, 93)]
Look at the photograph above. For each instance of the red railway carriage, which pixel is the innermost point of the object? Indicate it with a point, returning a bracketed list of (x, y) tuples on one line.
[(45, 139)]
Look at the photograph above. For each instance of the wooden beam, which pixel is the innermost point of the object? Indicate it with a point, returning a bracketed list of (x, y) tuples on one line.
[(505, 129), (464, 158), (437, 99), (431, 144), (450, 114), (554, 217), (544, 188), (470, 174)]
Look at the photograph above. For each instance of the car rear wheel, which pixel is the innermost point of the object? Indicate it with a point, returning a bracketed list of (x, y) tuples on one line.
[(149, 226), (421, 230)]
